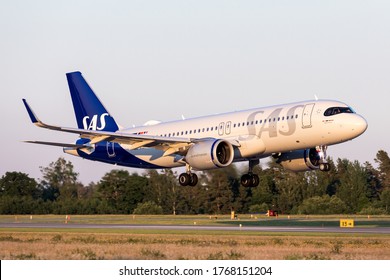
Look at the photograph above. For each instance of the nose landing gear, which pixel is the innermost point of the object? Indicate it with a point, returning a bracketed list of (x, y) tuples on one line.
[(323, 163)]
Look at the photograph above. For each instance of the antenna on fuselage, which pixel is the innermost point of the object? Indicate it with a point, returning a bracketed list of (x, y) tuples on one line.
[(316, 97)]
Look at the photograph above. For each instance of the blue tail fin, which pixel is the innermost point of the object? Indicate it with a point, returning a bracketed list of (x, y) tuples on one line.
[(90, 112)]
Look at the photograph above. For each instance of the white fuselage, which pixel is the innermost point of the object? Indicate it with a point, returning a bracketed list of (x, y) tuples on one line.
[(257, 133)]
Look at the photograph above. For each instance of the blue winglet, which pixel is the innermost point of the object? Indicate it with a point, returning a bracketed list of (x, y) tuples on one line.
[(33, 118)]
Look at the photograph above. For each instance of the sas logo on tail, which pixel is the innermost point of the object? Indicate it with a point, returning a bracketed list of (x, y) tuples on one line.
[(93, 123)]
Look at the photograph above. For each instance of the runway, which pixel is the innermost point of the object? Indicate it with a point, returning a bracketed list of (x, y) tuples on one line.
[(354, 230)]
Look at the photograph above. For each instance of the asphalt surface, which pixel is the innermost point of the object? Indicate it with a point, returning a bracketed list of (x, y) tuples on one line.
[(354, 230)]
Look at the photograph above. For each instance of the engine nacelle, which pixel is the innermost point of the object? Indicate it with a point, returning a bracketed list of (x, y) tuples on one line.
[(300, 160), (210, 154)]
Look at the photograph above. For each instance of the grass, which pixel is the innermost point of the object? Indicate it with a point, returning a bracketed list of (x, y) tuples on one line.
[(97, 246), (119, 244), (221, 220)]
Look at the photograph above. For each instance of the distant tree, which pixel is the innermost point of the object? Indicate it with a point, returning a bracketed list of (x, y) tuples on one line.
[(163, 189), (373, 182), (173, 193), (87, 192), (18, 184), (322, 205), (148, 208), (222, 188), (291, 187), (259, 208), (385, 200), (122, 191), (20, 194), (59, 180), (353, 188), (383, 160), (265, 192), (195, 200), (320, 183)]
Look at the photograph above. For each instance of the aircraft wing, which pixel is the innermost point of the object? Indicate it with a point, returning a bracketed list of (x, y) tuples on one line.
[(170, 145)]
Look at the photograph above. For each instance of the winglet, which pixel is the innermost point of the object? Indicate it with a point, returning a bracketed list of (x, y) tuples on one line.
[(30, 112)]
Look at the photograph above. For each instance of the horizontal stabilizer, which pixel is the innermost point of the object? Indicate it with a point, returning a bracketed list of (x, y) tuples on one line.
[(64, 145)]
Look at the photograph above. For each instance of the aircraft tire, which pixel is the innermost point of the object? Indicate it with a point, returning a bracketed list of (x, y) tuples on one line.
[(246, 180), (184, 179), (193, 180), (255, 180)]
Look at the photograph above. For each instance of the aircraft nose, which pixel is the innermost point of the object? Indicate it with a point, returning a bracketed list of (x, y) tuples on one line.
[(360, 125)]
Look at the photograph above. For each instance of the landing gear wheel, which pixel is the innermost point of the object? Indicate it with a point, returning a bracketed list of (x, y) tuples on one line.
[(325, 167), (250, 180), (255, 180), (184, 179), (188, 179), (246, 180), (194, 180)]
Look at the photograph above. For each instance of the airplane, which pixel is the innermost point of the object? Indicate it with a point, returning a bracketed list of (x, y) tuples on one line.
[(297, 135)]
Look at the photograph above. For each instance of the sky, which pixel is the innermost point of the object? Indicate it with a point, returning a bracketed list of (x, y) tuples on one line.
[(164, 59)]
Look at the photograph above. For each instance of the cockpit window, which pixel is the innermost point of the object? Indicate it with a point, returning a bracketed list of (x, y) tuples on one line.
[(337, 110)]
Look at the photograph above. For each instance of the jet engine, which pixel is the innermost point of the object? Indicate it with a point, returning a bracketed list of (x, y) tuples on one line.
[(210, 154), (300, 160)]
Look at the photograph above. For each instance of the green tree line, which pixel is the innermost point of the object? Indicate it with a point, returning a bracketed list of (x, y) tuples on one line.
[(349, 188)]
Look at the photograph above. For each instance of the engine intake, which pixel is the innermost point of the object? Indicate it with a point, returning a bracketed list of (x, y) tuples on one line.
[(300, 160), (210, 154)]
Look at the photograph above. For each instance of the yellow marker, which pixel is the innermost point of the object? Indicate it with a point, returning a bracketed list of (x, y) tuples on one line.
[(347, 223)]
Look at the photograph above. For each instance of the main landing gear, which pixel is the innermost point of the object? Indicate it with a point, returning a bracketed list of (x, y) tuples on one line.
[(188, 178), (250, 179)]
